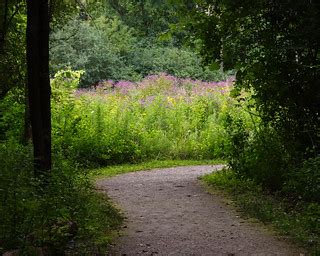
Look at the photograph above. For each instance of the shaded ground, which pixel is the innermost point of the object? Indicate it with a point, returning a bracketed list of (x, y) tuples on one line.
[(170, 213)]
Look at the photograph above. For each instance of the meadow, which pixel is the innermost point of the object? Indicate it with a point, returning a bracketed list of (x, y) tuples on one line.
[(161, 117)]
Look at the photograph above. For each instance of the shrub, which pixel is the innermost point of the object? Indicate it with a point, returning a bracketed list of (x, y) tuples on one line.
[(12, 112), (16, 194), (156, 59), (255, 150), (304, 182), (64, 212), (90, 49)]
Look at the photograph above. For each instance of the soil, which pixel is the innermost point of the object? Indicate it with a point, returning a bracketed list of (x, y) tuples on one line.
[(169, 212)]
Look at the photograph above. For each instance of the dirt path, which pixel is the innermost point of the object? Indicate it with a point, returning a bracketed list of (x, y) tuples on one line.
[(170, 213)]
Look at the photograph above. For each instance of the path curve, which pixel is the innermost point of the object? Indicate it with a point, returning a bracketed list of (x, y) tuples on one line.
[(169, 213)]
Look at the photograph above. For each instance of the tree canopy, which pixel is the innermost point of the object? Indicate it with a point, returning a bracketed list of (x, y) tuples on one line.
[(274, 46)]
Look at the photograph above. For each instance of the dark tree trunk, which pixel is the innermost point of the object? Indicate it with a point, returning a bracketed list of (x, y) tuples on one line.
[(3, 23), (39, 83)]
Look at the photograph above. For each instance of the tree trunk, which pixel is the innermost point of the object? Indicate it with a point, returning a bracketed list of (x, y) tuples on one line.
[(3, 22), (39, 83)]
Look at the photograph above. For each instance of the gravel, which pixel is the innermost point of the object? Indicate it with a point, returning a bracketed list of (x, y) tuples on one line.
[(170, 213)]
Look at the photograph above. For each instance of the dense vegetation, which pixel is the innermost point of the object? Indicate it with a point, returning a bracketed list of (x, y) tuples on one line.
[(274, 46), (127, 87), (110, 122), (161, 117), (106, 48)]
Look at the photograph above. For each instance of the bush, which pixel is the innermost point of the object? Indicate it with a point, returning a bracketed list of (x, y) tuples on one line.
[(156, 59), (304, 182), (12, 112), (54, 216), (17, 199), (255, 150)]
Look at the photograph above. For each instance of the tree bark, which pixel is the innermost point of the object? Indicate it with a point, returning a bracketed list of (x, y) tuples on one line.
[(3, 16), (39, 83)]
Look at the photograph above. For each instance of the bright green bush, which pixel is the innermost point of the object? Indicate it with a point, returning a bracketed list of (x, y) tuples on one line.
[(254, 150), (259, 156), (257, 151)]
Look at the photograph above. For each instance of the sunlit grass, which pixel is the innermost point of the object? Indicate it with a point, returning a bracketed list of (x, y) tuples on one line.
[(121, 169)]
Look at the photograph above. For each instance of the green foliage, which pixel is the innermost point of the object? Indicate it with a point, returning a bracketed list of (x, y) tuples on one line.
[(65, 211), (129, 124), (260, 156), (149, 18), (12, 115), (105, 48), (12, 46), (299, 221), (177, 62), (256, 151), (304, 182), (80, 45), (275, 48), (15, 183)]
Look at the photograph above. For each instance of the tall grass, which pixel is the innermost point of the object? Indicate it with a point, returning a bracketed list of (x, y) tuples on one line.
[(161, 117)]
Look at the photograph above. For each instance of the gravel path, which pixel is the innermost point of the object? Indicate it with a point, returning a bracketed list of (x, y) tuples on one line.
[(170, 213)]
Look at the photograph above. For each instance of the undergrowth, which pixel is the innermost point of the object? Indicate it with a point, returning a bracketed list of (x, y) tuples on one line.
[(64, 215)]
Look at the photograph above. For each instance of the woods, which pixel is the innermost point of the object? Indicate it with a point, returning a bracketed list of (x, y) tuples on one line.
[(126, 82), (275, 48)]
